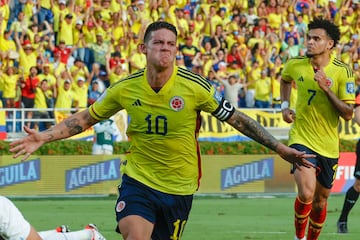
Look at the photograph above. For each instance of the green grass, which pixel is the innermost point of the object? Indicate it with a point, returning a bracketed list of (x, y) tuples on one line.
[(212, 218)]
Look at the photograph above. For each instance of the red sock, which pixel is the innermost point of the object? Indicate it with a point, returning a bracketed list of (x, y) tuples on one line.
[(302, 211), (317, 220)]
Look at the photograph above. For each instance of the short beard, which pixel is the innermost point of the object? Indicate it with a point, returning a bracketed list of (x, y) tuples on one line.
[(309, 54)]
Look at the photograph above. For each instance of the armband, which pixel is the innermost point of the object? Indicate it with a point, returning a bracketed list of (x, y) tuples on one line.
[(284, 105), (224, 111)]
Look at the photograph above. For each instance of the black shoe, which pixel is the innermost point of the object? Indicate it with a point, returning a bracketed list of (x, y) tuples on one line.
[(342, 227)]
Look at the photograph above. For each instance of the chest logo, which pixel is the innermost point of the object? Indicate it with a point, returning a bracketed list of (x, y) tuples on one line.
[(177, 103), (329, 82)]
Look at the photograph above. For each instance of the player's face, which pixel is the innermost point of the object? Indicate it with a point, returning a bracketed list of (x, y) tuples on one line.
[(318, 42), (161, 49)]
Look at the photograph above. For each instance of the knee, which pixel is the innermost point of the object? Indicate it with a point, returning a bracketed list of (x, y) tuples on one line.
[(306, 196), (319, 204), (318, 207)]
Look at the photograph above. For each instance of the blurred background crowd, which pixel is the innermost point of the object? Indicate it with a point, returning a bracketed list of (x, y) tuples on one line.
[(64, 53)]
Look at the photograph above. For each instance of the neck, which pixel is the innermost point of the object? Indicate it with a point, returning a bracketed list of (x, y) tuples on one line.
[(158, 77), (320, 61)]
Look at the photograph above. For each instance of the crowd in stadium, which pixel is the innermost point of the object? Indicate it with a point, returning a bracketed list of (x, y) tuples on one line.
[(65, 53)]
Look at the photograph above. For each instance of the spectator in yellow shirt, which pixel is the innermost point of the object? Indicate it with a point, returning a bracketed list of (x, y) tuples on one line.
[(262, 90), (27, 55), (7, 48), (79, 69), (66, 30), (43, 100), (79, 40), (105, 13), (34, 30), (19, 25), (80, 89), (65, 96), (253, 74), (137, 61), (275, 89), (60, 9), (10, 83)]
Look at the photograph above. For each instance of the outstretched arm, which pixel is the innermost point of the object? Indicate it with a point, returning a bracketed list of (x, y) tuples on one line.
[(254, 130), (71, 126)]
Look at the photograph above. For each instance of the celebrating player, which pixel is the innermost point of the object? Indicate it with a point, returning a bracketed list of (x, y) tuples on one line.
[(162, 170), (326, 91)]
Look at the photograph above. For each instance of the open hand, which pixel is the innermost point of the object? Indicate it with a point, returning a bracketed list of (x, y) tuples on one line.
[(26, 145), (296, 157)]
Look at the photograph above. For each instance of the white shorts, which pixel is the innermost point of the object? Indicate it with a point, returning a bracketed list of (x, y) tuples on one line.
[(104, 149), (13, 225)]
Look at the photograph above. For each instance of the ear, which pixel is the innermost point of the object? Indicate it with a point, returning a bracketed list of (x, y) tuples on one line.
[(143, 48)]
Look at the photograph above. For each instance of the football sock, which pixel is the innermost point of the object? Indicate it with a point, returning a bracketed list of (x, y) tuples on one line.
[(85, 234), (317, 220), (45, 234), (350, 199), (302, 211)]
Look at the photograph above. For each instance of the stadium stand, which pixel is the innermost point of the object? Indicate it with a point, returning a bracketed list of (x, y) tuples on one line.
[(80, 47)]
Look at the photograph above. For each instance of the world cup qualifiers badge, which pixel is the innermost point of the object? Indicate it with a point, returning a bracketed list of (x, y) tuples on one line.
[(350, 87), (177, 103)]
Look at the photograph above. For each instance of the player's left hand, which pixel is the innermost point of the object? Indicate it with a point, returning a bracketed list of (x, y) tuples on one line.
[(295, 157), (26, 145)]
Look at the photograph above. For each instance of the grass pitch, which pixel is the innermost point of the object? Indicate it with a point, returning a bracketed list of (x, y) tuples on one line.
[(212, 218)]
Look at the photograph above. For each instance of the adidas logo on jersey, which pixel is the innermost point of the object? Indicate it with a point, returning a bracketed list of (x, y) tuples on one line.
[(137, 103)]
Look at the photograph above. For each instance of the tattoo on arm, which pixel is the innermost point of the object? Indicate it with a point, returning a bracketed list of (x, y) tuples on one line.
[(49, 134), (89, 120), (253, 129), (73, 126)]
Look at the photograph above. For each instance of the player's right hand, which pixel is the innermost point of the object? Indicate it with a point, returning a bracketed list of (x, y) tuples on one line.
[(288, 115)]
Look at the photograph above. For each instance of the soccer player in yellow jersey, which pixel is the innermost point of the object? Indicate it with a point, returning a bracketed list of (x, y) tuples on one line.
[(162, 169), (326, 92)]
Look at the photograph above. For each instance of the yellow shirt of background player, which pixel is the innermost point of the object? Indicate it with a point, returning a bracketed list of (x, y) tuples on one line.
[(161, 127), (312, 103)]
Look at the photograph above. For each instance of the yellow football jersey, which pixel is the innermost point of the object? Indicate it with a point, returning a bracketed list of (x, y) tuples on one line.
[(316, 124), (163, 127)]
